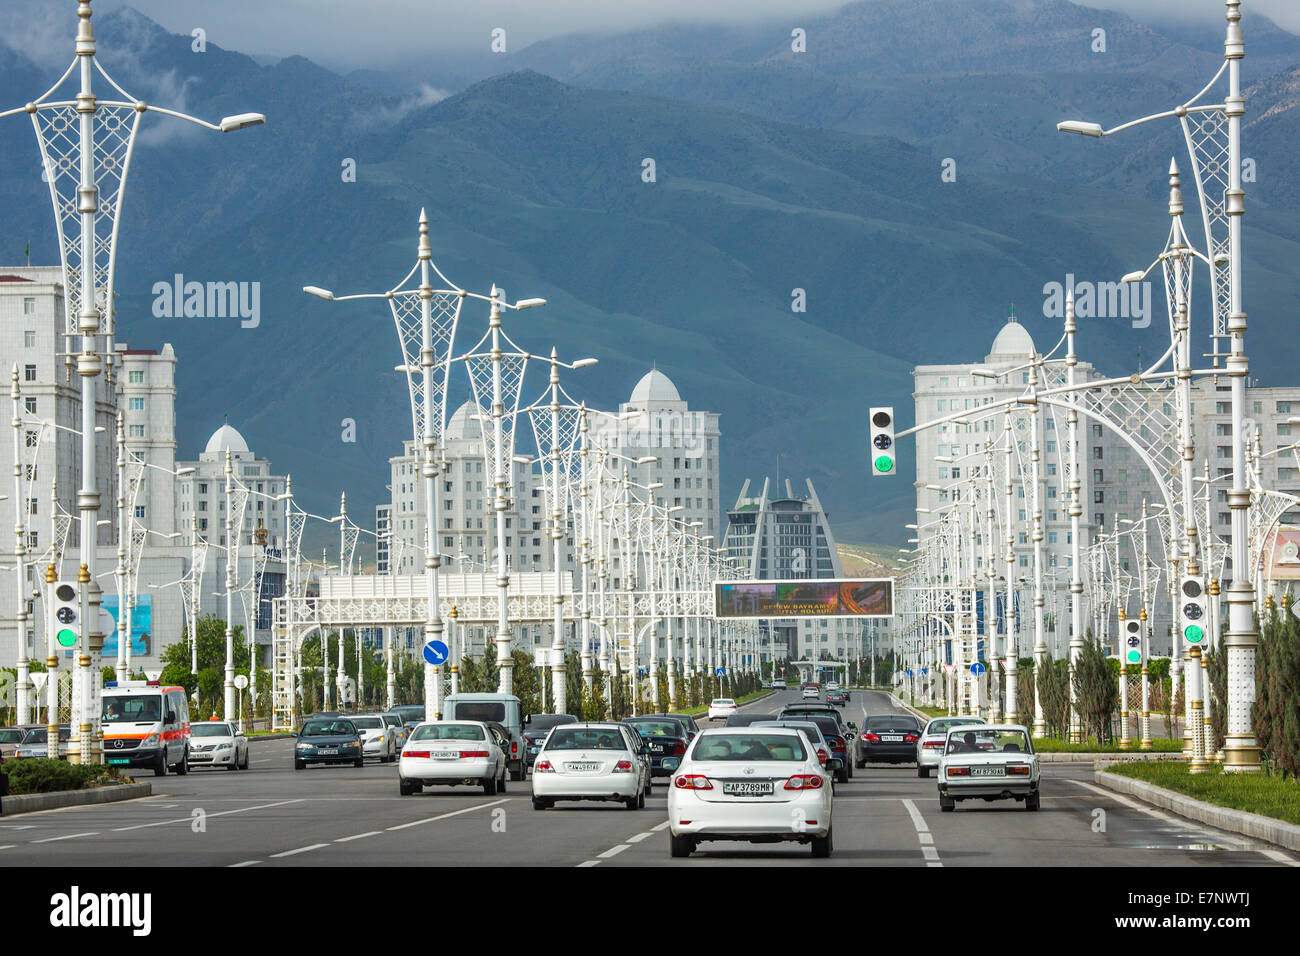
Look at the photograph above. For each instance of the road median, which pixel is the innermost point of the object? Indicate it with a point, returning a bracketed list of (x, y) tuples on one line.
[(32, 802)]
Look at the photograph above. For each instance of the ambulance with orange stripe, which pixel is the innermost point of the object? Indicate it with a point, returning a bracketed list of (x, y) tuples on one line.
[(146, 725)]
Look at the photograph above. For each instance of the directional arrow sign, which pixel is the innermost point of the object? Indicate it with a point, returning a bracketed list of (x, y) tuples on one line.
[(435, 652), (977, 668)]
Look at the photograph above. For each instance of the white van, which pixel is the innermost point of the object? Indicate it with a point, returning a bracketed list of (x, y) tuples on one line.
[(146, 725)]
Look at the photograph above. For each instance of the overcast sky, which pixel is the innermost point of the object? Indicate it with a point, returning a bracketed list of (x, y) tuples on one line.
[(374, 33)]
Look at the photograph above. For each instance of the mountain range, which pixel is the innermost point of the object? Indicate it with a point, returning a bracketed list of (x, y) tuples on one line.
[(774, 172)]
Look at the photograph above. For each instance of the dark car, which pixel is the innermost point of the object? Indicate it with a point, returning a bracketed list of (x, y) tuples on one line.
[(839, 697), (815, 736), (836, 735), (692, 727), (847, 728), (746, 719), (410, 713), (536, 727), (327, 740), (890, 738), (666, 739)]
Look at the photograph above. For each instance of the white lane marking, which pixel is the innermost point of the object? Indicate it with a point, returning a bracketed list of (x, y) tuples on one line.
[(301, 849), (359, 836), (444, 816), (660, 826), (1186, 825), (70, 836), (15, 826), (923, 835), (245, 863), (612, 851), (640, 836), (218, 813), (590, 863), (8, 846)]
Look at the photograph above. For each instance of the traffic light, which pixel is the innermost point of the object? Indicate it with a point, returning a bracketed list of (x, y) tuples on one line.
[(1192, 615), (66, 608), (1133, 642), (882, 441)]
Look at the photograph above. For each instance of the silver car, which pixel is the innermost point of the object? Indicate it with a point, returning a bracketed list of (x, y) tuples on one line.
[(992, 762), (930, 747), (218, 743), (378, 739)]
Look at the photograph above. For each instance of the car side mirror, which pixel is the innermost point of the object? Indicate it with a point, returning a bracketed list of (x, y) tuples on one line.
[(171, 716), (834, 764), (852, 725)]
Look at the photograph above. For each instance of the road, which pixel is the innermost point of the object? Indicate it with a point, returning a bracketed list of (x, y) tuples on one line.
[(274, 816)]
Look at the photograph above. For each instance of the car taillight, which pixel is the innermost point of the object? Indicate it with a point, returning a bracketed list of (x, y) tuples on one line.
[(692, 781), (543, 766), (821, 756), (514, 747), (910, 739), (473, 753), (679, 749), (959, 771), (623, 766), (932, 745), (805, 781), (1018, 771), (415, 753), (871, 738)]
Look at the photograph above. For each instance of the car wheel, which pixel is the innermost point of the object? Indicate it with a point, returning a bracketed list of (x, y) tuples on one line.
[(501, 784), (517, 775), (631, 802), (649, 786), (161, 769), (842, 775), (860, 763), (922, 771), (680, 845), (245, 765), (359, 762), (1032, 801), (640, 800), (490, 786), (848, 768), (404, 788), (947, 804), (822, 846), (233, 765), (539, 804), (300, 765), (183, 767)]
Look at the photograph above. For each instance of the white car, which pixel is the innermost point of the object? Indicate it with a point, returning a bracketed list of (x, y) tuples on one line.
[(448, 753), (591, 761), (378, 739), (778, 684), (761, 785), (218, 743), (934, 738), (811, 690), (721, 708), (992, 762), (832, 685)]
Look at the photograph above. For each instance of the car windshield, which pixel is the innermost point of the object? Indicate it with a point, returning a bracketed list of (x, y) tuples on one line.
[(724, 702), (812, 730), (143, 709), (749, 747), (368, 723), (210, 730), (988, 741), (827, 725), (540, 722), (745, 720), (392, 720), (37, 735), (656, 728), (942, 725), (10, 735), (585, 738), (327, 728), (483, 710), (447, 732)]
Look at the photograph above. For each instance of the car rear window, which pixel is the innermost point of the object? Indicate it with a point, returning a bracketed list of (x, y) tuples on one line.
[(988, 741), (891, 722), (585, 738), (748, 747), (10, 735), (368, 723), (483, 710), (447, 732), (547, 721), (656, 728), (942, 725)]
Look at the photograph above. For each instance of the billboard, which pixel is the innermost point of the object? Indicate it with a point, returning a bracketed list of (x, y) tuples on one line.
[(805, 597), (1285, 560), (141, 625)]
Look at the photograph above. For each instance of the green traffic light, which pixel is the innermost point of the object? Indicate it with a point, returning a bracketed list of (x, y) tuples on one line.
[(884, 463), (66, 638), (1193, 633), (1134, 657)]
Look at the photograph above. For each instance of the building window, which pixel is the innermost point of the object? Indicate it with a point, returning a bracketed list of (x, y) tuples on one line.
[(31, 505), (1096, 452), (29, 339), (137, 431), (29, 305), (30, 405), (1097, 475), (29, 373), (31, 439), (1284, 408), (139, 511), (135, 377), (33, 539), (137, 404)]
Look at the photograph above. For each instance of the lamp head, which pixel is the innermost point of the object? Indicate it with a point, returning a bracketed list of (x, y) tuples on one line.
[(241, 121), (318, 292), (1080, 127)]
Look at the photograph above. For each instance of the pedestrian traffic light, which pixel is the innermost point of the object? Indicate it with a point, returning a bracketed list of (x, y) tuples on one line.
[(1133, 642), (66, 610), (882, 441), (1192, 615)]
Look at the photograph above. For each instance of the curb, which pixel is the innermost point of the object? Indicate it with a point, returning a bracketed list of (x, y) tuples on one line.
[(1102, 759), (253, 740), (923, 718), (31, 802), (1236, 821)]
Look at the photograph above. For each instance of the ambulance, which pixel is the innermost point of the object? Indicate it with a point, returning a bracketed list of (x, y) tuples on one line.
[(146, 725)]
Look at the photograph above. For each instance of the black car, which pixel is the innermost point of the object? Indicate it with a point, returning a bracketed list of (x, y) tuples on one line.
[(536, 727), (838, 697), (836, 735), (666, 738), (745, 719), (686, 719), (890, 738), (848, 729), (327, 740), (410, 713)]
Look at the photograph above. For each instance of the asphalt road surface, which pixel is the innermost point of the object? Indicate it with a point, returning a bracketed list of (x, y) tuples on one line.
[(272, 815)]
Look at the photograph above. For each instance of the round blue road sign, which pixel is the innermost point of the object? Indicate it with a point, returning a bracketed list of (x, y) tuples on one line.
[(436, 652), (977, 668)]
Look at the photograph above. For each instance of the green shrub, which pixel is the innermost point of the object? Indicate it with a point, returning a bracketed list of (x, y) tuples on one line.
[(44, 775)]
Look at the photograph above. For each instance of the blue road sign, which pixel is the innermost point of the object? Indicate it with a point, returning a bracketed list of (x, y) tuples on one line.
[(977, 668), (435, 652), (924, 671), (721, 672), (909, 672)]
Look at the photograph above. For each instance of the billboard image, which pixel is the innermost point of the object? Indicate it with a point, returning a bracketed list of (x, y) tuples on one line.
[(141, 625), (1285, 562), (807, 597)]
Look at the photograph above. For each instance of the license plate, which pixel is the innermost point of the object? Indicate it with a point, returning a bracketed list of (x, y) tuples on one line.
[(444, 754), (986, 771), (328, 750), (120, 760), (580, 767), (657, 749), (743, 788), (892, 738)]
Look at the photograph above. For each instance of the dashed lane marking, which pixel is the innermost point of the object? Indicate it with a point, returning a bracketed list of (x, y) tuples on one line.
[(923, 835), (69, 836), (217, 813), (301, 849), (613, 851), (358, 836), (444, 816)]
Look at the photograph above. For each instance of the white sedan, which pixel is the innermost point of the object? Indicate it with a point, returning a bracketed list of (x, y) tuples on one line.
[(761, 785), (721, 708), (993, 762), (592, 761), (933, 738), (378, 739), (218, 743), (450, 753)]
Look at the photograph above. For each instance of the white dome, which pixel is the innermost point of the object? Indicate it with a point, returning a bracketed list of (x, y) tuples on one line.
[(463, 425), (654, 386), (1013, 339), (224, 438)]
